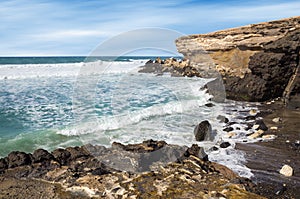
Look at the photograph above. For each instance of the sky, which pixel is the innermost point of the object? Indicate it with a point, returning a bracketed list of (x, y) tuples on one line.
[(77, 27)]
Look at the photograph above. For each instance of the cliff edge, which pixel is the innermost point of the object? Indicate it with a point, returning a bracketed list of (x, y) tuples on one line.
[(257, 62)]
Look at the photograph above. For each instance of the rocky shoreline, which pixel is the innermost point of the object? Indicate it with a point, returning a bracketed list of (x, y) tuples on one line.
[(156, 169), (265, 159), (81, 172), (257, 63)]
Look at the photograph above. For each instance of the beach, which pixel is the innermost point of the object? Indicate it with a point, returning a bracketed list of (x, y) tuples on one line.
[(266, 158)]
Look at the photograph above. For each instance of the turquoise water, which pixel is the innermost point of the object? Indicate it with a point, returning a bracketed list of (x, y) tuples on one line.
[(39, 111), (66, 101)]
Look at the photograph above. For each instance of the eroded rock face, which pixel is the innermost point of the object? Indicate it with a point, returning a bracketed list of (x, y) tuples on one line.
[(84, 174), (257, 62)]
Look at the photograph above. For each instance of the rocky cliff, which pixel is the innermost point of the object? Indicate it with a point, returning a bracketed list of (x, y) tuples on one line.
[(257, 62)]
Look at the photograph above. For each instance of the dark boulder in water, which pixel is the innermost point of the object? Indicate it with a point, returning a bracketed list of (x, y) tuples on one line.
[(228, 129), (223, 119), (209, 105), (225, 144), (203, 131), (214, 148)]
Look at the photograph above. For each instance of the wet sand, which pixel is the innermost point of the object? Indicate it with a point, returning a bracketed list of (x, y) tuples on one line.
[(265, 159)]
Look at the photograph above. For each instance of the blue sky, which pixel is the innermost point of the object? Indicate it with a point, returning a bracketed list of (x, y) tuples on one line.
[(75, 27)]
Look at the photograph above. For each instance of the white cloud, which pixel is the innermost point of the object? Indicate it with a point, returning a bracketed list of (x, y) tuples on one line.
[(50, 27), (70, 34)]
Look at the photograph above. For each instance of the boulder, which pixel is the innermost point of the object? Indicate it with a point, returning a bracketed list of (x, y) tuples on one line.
[(223, 119), (77, 152), (61, 155), (41, 155), (197, 151), (3, 164), (16, 158), (203, 131)]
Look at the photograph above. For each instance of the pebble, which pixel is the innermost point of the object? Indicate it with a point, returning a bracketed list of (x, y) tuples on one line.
[(214, 148), (225, 144), (255, 127), (252, 112), (268, 136), (281, 190), (230, 135), (274, 128), (256, 134), (276, 119), (227, 129), (286, 170)]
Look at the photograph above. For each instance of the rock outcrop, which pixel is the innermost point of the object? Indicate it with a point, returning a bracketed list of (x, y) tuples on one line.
[(171, 65), (257, 62), (85, 172)]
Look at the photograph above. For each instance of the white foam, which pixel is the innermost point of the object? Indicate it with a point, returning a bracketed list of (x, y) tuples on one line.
[(173, 122), (132, 117), (67, 69)]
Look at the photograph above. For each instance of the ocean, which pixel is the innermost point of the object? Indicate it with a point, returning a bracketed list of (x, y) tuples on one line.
[(52, 102)]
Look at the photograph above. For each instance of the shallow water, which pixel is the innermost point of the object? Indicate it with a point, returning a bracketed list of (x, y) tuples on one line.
[(59, 105)]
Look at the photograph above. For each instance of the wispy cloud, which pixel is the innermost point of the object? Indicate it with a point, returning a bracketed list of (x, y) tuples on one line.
[(62, 27)]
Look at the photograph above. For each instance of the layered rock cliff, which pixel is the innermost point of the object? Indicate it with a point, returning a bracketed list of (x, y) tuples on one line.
[(257, 62)]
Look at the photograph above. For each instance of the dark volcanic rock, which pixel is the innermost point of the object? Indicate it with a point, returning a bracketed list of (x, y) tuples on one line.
[(41, 155), (225, 144), (228, 129), (146, 146), (17, 158), (77, 152), (3, 164), (223, 119), (262, 125), (61, 155), (209, 105), (86, 176), (203, 131)]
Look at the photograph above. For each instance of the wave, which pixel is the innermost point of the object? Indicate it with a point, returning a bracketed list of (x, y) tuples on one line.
[(115, 122), (23, 71)]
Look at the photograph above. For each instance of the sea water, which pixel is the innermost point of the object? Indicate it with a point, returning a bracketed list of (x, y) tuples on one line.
[(60, 101)]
